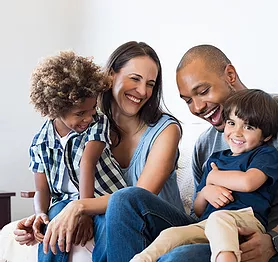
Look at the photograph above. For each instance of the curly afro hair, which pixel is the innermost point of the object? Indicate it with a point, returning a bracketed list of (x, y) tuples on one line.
[(62, 82)]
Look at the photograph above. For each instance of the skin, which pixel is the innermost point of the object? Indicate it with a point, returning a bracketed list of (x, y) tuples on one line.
[(204, 91), (132, 87), (76, 119)]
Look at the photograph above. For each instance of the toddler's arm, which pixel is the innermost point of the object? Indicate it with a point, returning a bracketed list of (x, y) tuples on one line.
[(90, 157)]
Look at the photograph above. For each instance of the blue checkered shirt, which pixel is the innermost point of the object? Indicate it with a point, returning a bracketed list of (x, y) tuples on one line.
[(48, 156)]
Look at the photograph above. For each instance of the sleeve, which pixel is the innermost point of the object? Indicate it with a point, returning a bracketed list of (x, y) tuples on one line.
[(99, 130), (36, 163), (266, 160)]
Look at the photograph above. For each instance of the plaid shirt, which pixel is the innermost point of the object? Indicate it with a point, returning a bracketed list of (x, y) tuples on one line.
[(48, 156)]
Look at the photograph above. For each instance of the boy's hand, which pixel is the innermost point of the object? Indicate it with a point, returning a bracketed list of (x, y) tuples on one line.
[(41, 219), (84, 230), (217, 196), (24, 234), (213, 169)]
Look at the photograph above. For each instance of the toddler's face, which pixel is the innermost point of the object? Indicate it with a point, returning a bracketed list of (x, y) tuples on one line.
[(78, 118), (241, 136)]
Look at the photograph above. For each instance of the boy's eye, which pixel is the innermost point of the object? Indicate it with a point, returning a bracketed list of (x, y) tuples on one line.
[(248, 127), (80, 113), (229, 122)]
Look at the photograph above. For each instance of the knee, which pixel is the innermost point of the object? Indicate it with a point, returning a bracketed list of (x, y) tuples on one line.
[(219, 215), (126, 196)]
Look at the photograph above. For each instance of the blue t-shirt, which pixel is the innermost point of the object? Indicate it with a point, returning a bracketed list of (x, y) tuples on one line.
[(264, 158)]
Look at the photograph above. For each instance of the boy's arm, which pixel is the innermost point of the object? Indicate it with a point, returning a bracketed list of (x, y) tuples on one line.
[(41, 204), (217, 196), (236, 180), (90, 157), (42, 194)]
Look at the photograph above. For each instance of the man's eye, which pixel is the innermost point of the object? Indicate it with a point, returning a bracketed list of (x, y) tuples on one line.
[(205, 91), (188, 101)]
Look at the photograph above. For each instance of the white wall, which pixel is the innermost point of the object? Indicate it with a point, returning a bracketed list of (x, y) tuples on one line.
[(30, 29)]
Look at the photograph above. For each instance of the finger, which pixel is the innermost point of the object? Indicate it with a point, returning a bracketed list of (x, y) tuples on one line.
[(228, 195), (213, 166), (46, 239), (68, 240), (215, 204), (30, 220), (224, 199), (53, 241), (45, 219), (246, 231), (61, 241), (76, 236), (220, 202), (248, 256)]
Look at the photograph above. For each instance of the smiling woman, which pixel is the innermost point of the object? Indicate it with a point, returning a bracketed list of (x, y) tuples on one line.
[(144, 146)]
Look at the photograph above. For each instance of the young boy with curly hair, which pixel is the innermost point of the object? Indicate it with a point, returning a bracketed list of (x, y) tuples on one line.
[(238, 184), (70, 156)]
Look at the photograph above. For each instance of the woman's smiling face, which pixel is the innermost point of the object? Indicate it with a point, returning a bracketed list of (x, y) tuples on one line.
[(133, 85)]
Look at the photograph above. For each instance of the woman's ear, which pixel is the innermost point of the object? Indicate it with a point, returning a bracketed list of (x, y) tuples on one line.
[(231, 74), (267, 138)]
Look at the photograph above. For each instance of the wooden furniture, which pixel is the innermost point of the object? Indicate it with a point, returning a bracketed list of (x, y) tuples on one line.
[(5, 207)]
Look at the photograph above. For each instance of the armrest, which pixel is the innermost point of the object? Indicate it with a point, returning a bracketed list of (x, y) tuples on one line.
[(27, 194)]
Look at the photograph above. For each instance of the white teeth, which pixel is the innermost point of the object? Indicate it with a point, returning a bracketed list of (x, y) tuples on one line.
[(237, 142), (134, 99), (210, 113)]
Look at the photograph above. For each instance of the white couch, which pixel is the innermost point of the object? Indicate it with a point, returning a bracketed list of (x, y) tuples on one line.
[(11, 251)]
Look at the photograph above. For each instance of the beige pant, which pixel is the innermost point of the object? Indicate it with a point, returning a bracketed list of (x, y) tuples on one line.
[(220, 230)]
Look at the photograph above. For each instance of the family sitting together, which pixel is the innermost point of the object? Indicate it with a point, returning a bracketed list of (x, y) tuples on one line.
[(105, 161)]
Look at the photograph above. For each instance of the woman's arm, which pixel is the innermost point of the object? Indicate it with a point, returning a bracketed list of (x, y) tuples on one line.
[(161, 160), (90, 157)]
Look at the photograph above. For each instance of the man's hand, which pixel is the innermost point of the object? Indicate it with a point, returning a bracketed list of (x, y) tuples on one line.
[(217, 196), (257, 247), (84, 230), (24, 234)]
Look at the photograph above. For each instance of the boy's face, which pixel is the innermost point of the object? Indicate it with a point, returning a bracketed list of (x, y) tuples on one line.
[(204, 91), (240, 136), (78, 118)]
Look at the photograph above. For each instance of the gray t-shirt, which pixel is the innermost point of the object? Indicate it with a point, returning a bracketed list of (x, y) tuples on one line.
[(212, 141)]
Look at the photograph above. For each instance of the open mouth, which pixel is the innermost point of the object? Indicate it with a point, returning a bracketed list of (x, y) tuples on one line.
[(134, 99), (214, 116), (237, 142)]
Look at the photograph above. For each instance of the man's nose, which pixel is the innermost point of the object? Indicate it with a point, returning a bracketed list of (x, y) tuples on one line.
[(199, 106)]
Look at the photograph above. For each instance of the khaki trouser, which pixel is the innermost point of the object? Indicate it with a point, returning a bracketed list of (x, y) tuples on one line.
[(220, 230)]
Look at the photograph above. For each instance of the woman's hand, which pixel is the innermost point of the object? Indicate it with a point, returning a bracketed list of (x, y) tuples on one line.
[(41, 219), (217, 196), (61, 228), (24, 234)]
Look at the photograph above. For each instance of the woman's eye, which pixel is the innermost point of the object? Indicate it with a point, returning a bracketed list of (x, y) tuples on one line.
[(135, 78)]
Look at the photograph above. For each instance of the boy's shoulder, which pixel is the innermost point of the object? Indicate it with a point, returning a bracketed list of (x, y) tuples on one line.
[(44, 133)]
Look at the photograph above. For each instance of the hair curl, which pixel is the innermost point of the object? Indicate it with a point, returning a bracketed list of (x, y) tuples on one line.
[(62, 82)]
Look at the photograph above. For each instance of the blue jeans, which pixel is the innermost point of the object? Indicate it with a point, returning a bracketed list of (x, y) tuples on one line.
[(133, 219), (193, 253), (60, 256)]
